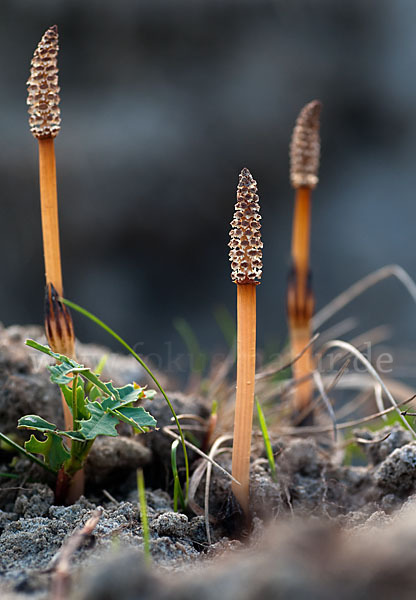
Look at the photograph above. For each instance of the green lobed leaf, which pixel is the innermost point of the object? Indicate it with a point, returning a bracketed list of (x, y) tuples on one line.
[(42, 348), (104, 419), (136, 416), (52, 449), (121, 397), (59, 357), (64, 373), (35, 422), (100, 423), (60, 372), (129, 393), (113, 390), (94, 394), (94, 417)]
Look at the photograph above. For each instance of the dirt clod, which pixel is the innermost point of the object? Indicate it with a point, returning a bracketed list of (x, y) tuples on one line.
[(110, 456), (34, 500), (397, 473), (377, 452), (171, 524)]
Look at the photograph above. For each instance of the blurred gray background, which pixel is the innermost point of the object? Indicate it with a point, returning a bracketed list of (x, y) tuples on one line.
[(163, 102)]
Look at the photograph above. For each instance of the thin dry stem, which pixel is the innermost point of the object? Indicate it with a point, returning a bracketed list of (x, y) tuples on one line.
[(168, 431), (246, 367), (365, 442), (352, 350), (361, 286), (317, 430), (279, 366), (338, 330), (61, 579), (320, 385), (373, 336), (354, 405)]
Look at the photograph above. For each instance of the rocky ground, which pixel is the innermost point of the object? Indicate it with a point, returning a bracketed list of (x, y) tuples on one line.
[(323, 530)]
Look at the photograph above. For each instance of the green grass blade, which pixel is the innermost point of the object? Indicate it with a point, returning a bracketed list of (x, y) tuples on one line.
[(266, 438), (143, 515), (108, 329)]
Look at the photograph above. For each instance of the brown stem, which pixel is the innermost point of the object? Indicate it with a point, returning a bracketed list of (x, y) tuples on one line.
[(301, 232), (49, 209), (212, 423), (62, 486), (304, 165), (246, 366), (50, 229), (69, 489), (76, 487), (301, 369), (300, 301)]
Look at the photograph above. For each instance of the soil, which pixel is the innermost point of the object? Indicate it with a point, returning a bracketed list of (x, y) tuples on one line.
[(324, 529)]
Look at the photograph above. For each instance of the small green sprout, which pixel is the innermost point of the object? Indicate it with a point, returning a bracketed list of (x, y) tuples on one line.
[(177, 490), (198, 359), (143, 515), (266, 438), (96, 408)]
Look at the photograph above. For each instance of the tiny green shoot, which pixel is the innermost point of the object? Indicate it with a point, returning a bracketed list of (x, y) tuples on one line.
[(177, 490), (266, 438), (226, 323), (143, 515), (197, 357), (101, 364)]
